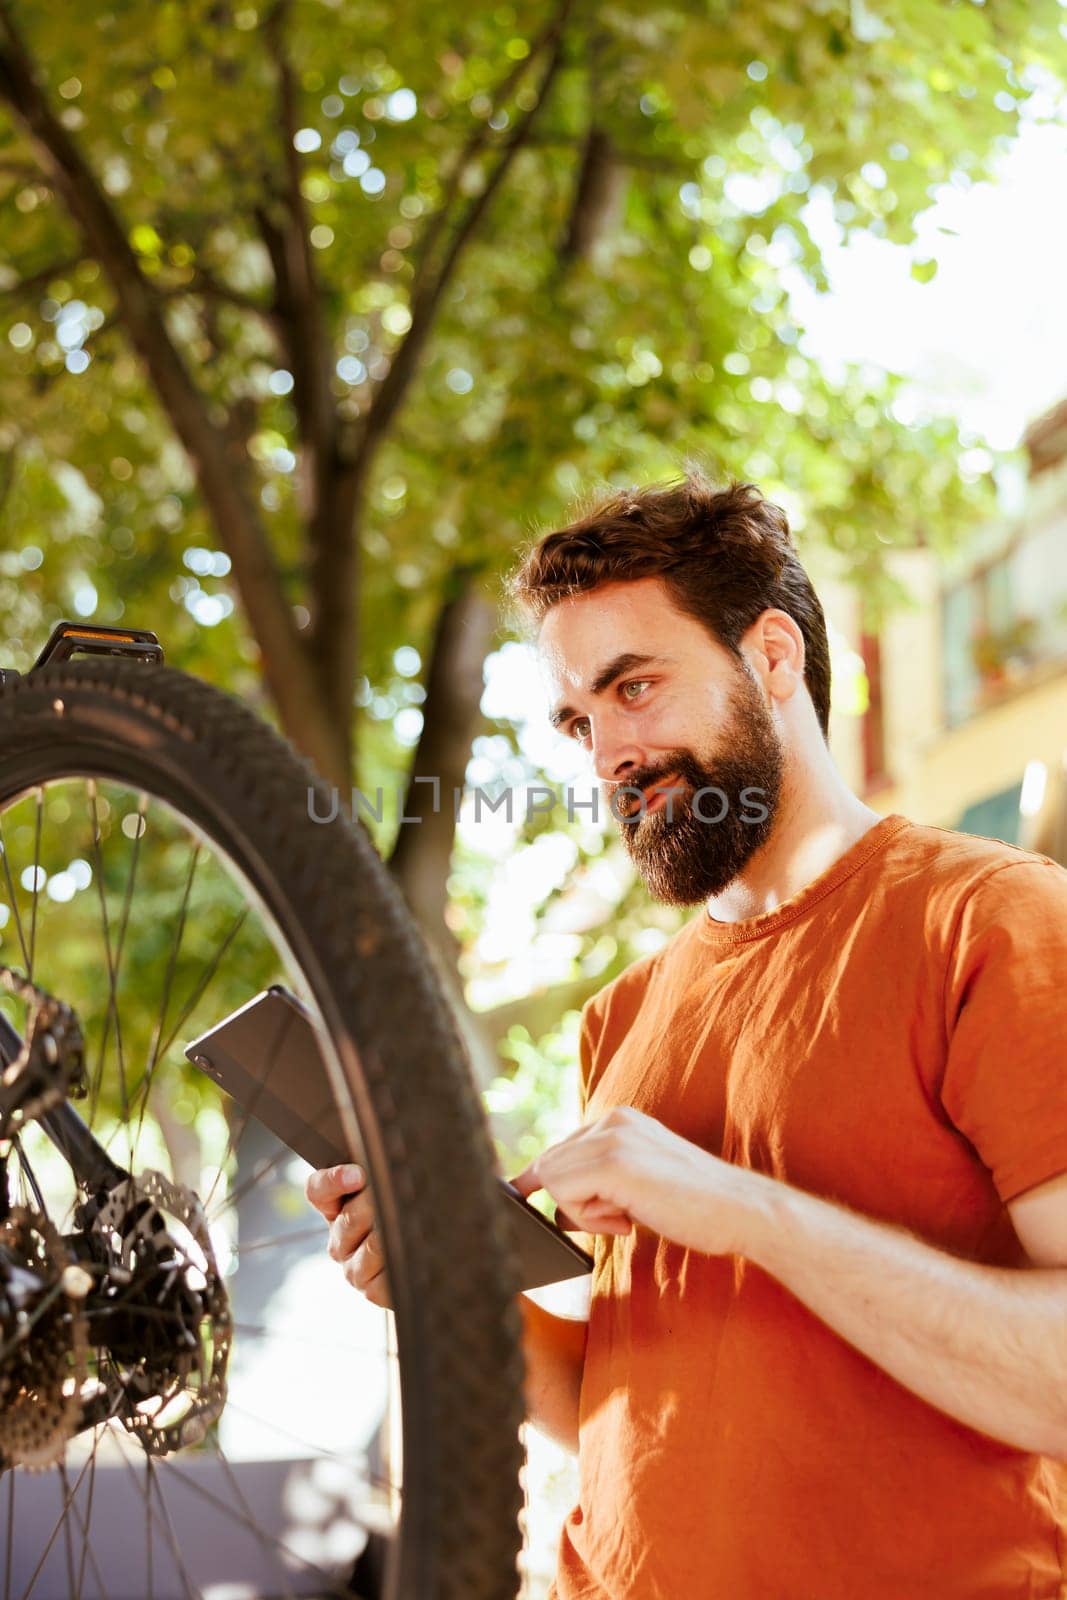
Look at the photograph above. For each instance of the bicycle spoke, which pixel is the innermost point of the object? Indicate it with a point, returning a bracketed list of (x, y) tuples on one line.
[(164, 1003), (194, 999), (391, 1432), (27, 1172), (299, 1236), (163, 1521), (190, 1006), (135, 854), (249, 1521), (68, 1548), (168, 1526), (206, 977), (39, 806), (10, 1532), (121, 1439), (322, 1452), (67, 1499), (98, 873), (14, 904), (146, 1498), (83, 1524), (253, 1330), (241, 1120), (263, 1170), (86, 1548), (149, 1570)]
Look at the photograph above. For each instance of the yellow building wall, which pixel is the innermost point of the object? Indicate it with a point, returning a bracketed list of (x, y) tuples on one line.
[(937, 771), (986, 754)]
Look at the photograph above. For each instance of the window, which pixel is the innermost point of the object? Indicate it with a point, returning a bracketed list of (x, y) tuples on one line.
[(1006, 618)]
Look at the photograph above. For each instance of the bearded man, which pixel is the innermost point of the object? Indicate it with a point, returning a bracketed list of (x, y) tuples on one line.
[(823, 1158)]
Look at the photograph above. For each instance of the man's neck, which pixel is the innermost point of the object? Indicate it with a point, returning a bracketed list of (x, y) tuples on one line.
[(815, 824)]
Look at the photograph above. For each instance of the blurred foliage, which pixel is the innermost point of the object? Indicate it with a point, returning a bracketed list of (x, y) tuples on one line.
[(113, 904), (588, 336), (671, 335), (536, 1103)]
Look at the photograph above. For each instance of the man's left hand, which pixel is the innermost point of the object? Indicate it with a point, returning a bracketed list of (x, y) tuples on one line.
[(626, 1168)]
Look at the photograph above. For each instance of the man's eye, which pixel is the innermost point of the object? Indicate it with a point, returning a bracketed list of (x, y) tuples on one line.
[(634, 683), (580, 728)]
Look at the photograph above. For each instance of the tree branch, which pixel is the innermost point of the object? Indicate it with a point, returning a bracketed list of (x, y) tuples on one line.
[(222, 475), (205, 285), (44, 275), (423, 851), (452, 708), (333, 573), (597, 196), (332, 502), (9, 465), (641, 160), (426, 303), (599, 185), (451, 717), (298, 303), (483, 137)]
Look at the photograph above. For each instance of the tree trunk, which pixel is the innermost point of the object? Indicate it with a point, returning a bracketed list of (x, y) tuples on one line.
[(422, 855), (221, 465), (451, 717), (598, 198)]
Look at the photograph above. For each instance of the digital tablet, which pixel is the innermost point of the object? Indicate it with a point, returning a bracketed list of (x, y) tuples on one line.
[(267, 1057)]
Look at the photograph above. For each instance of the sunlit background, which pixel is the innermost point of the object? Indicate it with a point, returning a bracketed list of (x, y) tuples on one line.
[(823, 250)]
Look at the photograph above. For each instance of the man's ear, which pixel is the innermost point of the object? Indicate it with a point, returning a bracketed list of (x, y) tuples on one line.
[(775, 646)]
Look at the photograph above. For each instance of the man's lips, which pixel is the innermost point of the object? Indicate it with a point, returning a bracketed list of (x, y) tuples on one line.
[(656, 795)]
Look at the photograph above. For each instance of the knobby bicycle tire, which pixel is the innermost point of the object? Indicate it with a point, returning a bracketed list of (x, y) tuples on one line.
[(452, 1275)]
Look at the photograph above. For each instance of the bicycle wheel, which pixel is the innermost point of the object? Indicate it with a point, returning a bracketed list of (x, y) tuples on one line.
[(161, 863)]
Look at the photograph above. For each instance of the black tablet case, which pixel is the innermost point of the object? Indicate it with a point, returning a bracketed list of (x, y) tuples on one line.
[(266, 1056)]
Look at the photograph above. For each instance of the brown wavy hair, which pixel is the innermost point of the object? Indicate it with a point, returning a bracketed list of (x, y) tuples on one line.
[(725, 556)]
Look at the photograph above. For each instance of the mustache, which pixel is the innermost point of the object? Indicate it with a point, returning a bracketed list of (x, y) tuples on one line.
[(680, 766)]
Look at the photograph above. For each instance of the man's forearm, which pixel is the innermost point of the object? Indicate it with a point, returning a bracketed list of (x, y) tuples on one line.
[(986, 1345), (554, 1351)]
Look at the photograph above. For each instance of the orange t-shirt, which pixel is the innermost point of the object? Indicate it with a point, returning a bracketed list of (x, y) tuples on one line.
[(891, 1038)]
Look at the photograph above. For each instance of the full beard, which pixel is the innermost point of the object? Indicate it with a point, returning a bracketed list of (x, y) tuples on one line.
[(694, 843)]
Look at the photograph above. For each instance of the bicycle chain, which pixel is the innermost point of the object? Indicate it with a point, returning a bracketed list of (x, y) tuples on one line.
[(50, 1067), (44, 1363)]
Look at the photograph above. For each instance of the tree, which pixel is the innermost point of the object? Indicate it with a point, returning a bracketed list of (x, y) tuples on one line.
[(346, 299)]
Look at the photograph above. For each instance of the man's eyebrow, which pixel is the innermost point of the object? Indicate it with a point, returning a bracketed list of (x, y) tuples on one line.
[(627, 662)]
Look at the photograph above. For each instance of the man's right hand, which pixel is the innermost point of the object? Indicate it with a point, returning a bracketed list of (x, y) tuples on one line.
[(341, 1196), (554, 1347)]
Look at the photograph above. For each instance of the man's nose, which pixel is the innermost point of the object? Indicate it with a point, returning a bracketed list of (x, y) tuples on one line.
[(615, 754)]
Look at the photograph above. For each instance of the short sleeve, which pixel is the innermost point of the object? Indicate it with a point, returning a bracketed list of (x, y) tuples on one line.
[(1005, 1083)]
